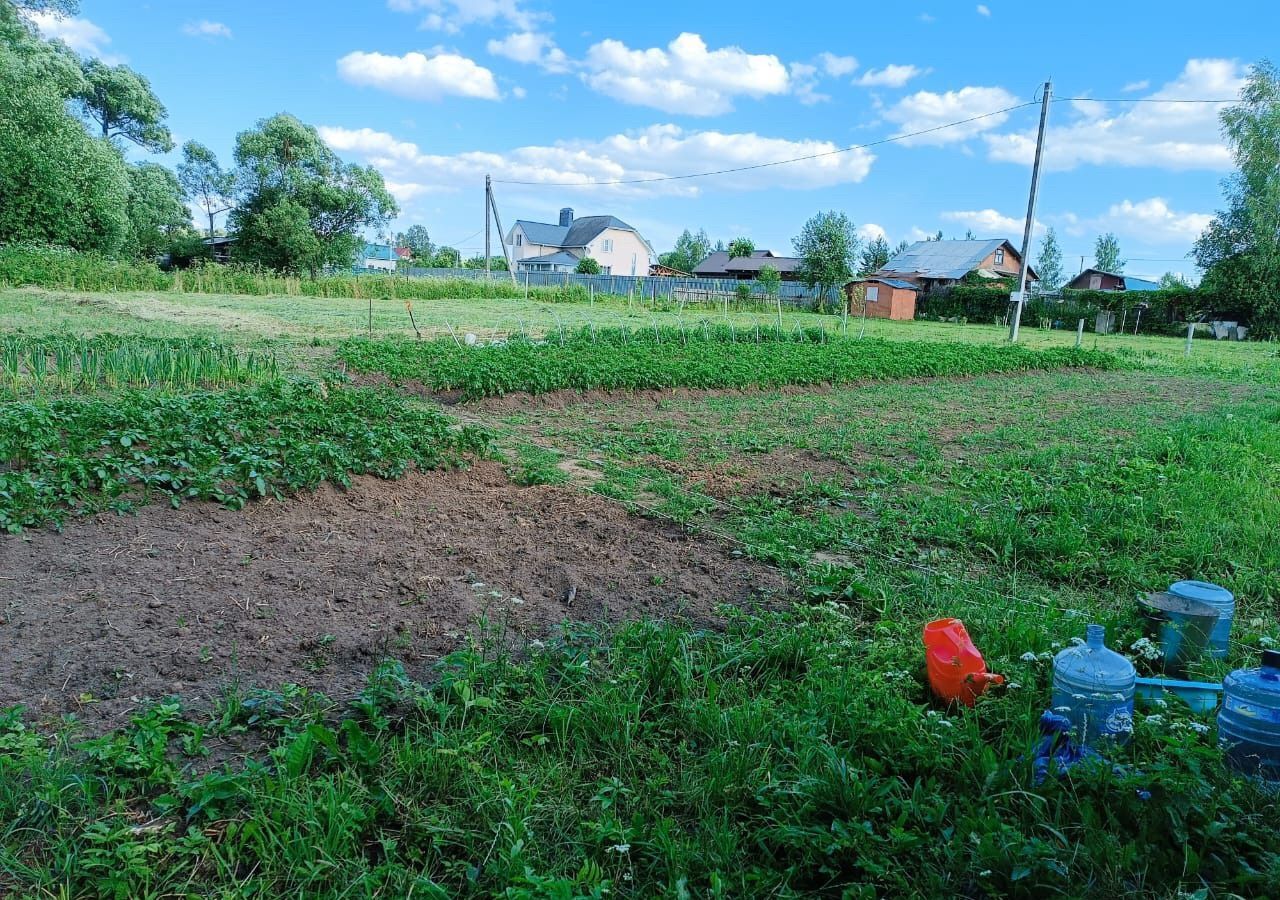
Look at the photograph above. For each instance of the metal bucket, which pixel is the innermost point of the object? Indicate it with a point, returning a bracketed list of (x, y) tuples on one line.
[(1181, 626)]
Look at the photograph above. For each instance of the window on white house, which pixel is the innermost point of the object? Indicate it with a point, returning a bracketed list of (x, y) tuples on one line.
[(606, 246), (873, 294), (519, 240), (1000, 257)]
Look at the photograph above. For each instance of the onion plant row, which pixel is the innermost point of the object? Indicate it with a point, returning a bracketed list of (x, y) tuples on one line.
[(697, 357), (66, 364), (76, 455)]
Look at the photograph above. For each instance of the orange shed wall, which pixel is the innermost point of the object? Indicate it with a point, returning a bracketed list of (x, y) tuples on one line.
[(893, 303)]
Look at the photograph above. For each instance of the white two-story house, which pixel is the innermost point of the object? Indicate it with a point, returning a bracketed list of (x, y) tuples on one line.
[(615, 245)]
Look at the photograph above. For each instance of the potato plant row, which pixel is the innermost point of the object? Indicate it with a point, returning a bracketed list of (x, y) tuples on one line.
[(694, 358), (72, 455)]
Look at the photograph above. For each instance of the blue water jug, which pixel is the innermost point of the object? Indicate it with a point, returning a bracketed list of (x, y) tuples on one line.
[(1249, 722), (1220, 599), (1093, 687)]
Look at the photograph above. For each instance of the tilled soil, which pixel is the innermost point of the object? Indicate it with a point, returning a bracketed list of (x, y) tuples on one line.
[(117, 610)]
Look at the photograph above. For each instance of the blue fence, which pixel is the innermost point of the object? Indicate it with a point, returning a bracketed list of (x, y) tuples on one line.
[(705, 290)]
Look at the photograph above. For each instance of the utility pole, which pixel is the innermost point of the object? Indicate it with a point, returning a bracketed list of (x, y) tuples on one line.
[(488, 205), (502, 235), (1021, 300)]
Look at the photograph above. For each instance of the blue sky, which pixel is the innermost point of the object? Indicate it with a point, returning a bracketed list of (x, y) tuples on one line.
[(436, 93)]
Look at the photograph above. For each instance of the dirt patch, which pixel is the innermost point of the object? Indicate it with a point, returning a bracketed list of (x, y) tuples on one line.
[(316, 590), (779, 472)]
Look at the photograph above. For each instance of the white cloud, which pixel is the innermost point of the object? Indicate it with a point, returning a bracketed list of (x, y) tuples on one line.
[(418, 76), (683, 77), (889, 76), (916, 233), (656, 151), (1136, 86), (205, 28), (928, 20), (988, 223), (925, 109), (451, 16), (531, 48), (1177, 136), (870, 231), (1153, 221), (984, 10), (804, 84), (80, 35), (836, 66)]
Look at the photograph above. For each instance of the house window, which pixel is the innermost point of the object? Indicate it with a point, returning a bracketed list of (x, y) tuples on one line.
[(606, 246), (1095, 282), (1000, 257), (519, 240), (873, 293)]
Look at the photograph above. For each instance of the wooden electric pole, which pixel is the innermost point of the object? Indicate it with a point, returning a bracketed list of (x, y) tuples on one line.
[(1021, 299), (488, 205)]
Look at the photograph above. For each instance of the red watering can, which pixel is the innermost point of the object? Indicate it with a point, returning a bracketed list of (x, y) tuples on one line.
[(956, 668)]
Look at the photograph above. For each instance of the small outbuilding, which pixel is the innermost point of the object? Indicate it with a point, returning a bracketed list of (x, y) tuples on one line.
[(1098, 280), (885, 298)]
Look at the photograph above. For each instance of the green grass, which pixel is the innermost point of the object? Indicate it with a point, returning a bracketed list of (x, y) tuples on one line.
[(253, 319), (64, 364), (65, 457), (792, 753), (698, 358)]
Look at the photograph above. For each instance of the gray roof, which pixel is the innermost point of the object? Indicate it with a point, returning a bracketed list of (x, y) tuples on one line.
[(892, 282), (943, 259), (719, 263), (582, 232), (559, 258), (543, 232)]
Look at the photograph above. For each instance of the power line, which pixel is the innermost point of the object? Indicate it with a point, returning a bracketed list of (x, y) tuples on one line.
[(780, 162), (1141, 100), (889, 140)]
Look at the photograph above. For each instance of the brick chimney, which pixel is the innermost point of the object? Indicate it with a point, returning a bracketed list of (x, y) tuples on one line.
[(566, 217)]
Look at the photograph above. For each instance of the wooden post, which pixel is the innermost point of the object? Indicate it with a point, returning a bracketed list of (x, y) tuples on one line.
[(1191, 328), (1079, 333)]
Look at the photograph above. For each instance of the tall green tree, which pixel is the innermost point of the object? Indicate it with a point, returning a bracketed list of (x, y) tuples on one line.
[(58, 184), (1240, 250), (902, 246), (1106, 254), (587, 266), (1171, 281), (690, 249), (204, 182), (969, 235), (155, 209), (121, 104), (417, 240), (874, 256), (301, 208), (740, 247), (828, 249), (770, 280), (446, 258), (1049, 263)]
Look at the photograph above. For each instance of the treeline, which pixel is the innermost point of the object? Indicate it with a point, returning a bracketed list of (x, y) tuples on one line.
[(24, 265), (65, 179)]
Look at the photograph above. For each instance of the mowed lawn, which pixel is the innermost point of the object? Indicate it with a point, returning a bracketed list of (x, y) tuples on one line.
[(792, 751)]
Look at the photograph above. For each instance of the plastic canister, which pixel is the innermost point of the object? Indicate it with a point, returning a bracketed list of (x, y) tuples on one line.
[(1094, 687), (1249, 722), (1220, 599)]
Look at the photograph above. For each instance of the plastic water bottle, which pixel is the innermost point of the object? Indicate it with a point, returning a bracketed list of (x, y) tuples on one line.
[(1249, 721), (1220, 599), (1093, 687)]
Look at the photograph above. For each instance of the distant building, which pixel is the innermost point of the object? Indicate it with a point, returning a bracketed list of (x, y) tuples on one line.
[(611, 242), (930, 264), (886, 298), (381, 257), (1098, 280), (220, 248), (747, 268)]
